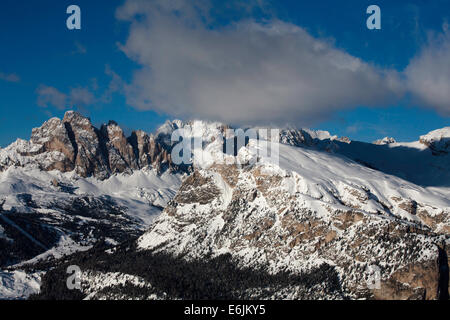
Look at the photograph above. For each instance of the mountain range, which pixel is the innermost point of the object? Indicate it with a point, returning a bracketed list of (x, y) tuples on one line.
[(332, 219)]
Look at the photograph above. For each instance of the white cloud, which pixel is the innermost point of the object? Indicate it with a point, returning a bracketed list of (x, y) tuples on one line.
[(116, 84), (81, 97), (428, 74), (245, 73), (50, 96), (12, 77)]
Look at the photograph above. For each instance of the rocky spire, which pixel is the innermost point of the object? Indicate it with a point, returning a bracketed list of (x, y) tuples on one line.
[(90, 158), (120, 153)]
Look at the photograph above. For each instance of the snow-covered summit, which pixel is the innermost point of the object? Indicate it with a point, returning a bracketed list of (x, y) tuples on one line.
[(436, 135), (385, 140), (437, 140)]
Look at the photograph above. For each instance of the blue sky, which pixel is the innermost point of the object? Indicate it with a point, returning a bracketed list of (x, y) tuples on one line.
[(39, 52)]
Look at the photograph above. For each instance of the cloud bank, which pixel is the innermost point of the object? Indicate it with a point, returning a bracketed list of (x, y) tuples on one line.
[(246, 73), (251, 72), (428, 74)]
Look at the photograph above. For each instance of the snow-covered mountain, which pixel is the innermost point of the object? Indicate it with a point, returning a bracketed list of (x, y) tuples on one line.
[(48, 215), (314, 225), (385, 140), (73, 185), (438, 141), (313, 208), (424, 162)]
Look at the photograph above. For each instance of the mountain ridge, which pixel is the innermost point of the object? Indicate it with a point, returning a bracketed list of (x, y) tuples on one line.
[(74, 144), (322, 215)]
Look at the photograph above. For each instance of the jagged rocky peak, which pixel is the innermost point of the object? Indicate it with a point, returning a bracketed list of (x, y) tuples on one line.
[(53, 136), (294, 137), (48, 130), (345, 140), (304, 137), (74, 144), (164, 132), (438, 141), (120, 152), (76, 138), (207, 130), (90, 160), (144, 146), (385, 140), (77, 119)]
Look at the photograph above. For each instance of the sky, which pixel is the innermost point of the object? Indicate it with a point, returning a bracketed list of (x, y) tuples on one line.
[(299, 63)]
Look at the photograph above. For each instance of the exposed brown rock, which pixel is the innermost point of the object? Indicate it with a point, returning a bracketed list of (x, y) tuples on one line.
[(53, 136), (146, 147), (347, 219), (409, 206), (121, 156), (90, 159), (196, 189), (416, 281)]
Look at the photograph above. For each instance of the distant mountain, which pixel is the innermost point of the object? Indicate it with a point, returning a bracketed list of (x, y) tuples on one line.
[(425, 162), (438, 141), (385, 140), (333, 219)]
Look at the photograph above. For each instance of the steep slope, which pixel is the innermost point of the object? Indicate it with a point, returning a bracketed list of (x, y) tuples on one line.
[(314, 208), (425, 162), (52, 213), (438, 141), (314, 213), (315, 224), (45, 216)]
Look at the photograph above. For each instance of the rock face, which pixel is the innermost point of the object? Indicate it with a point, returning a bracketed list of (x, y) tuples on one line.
[(121, 155), (145, 147), (89, 160), (73, 143), (308, 212), (54, 136), (305, 137)]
